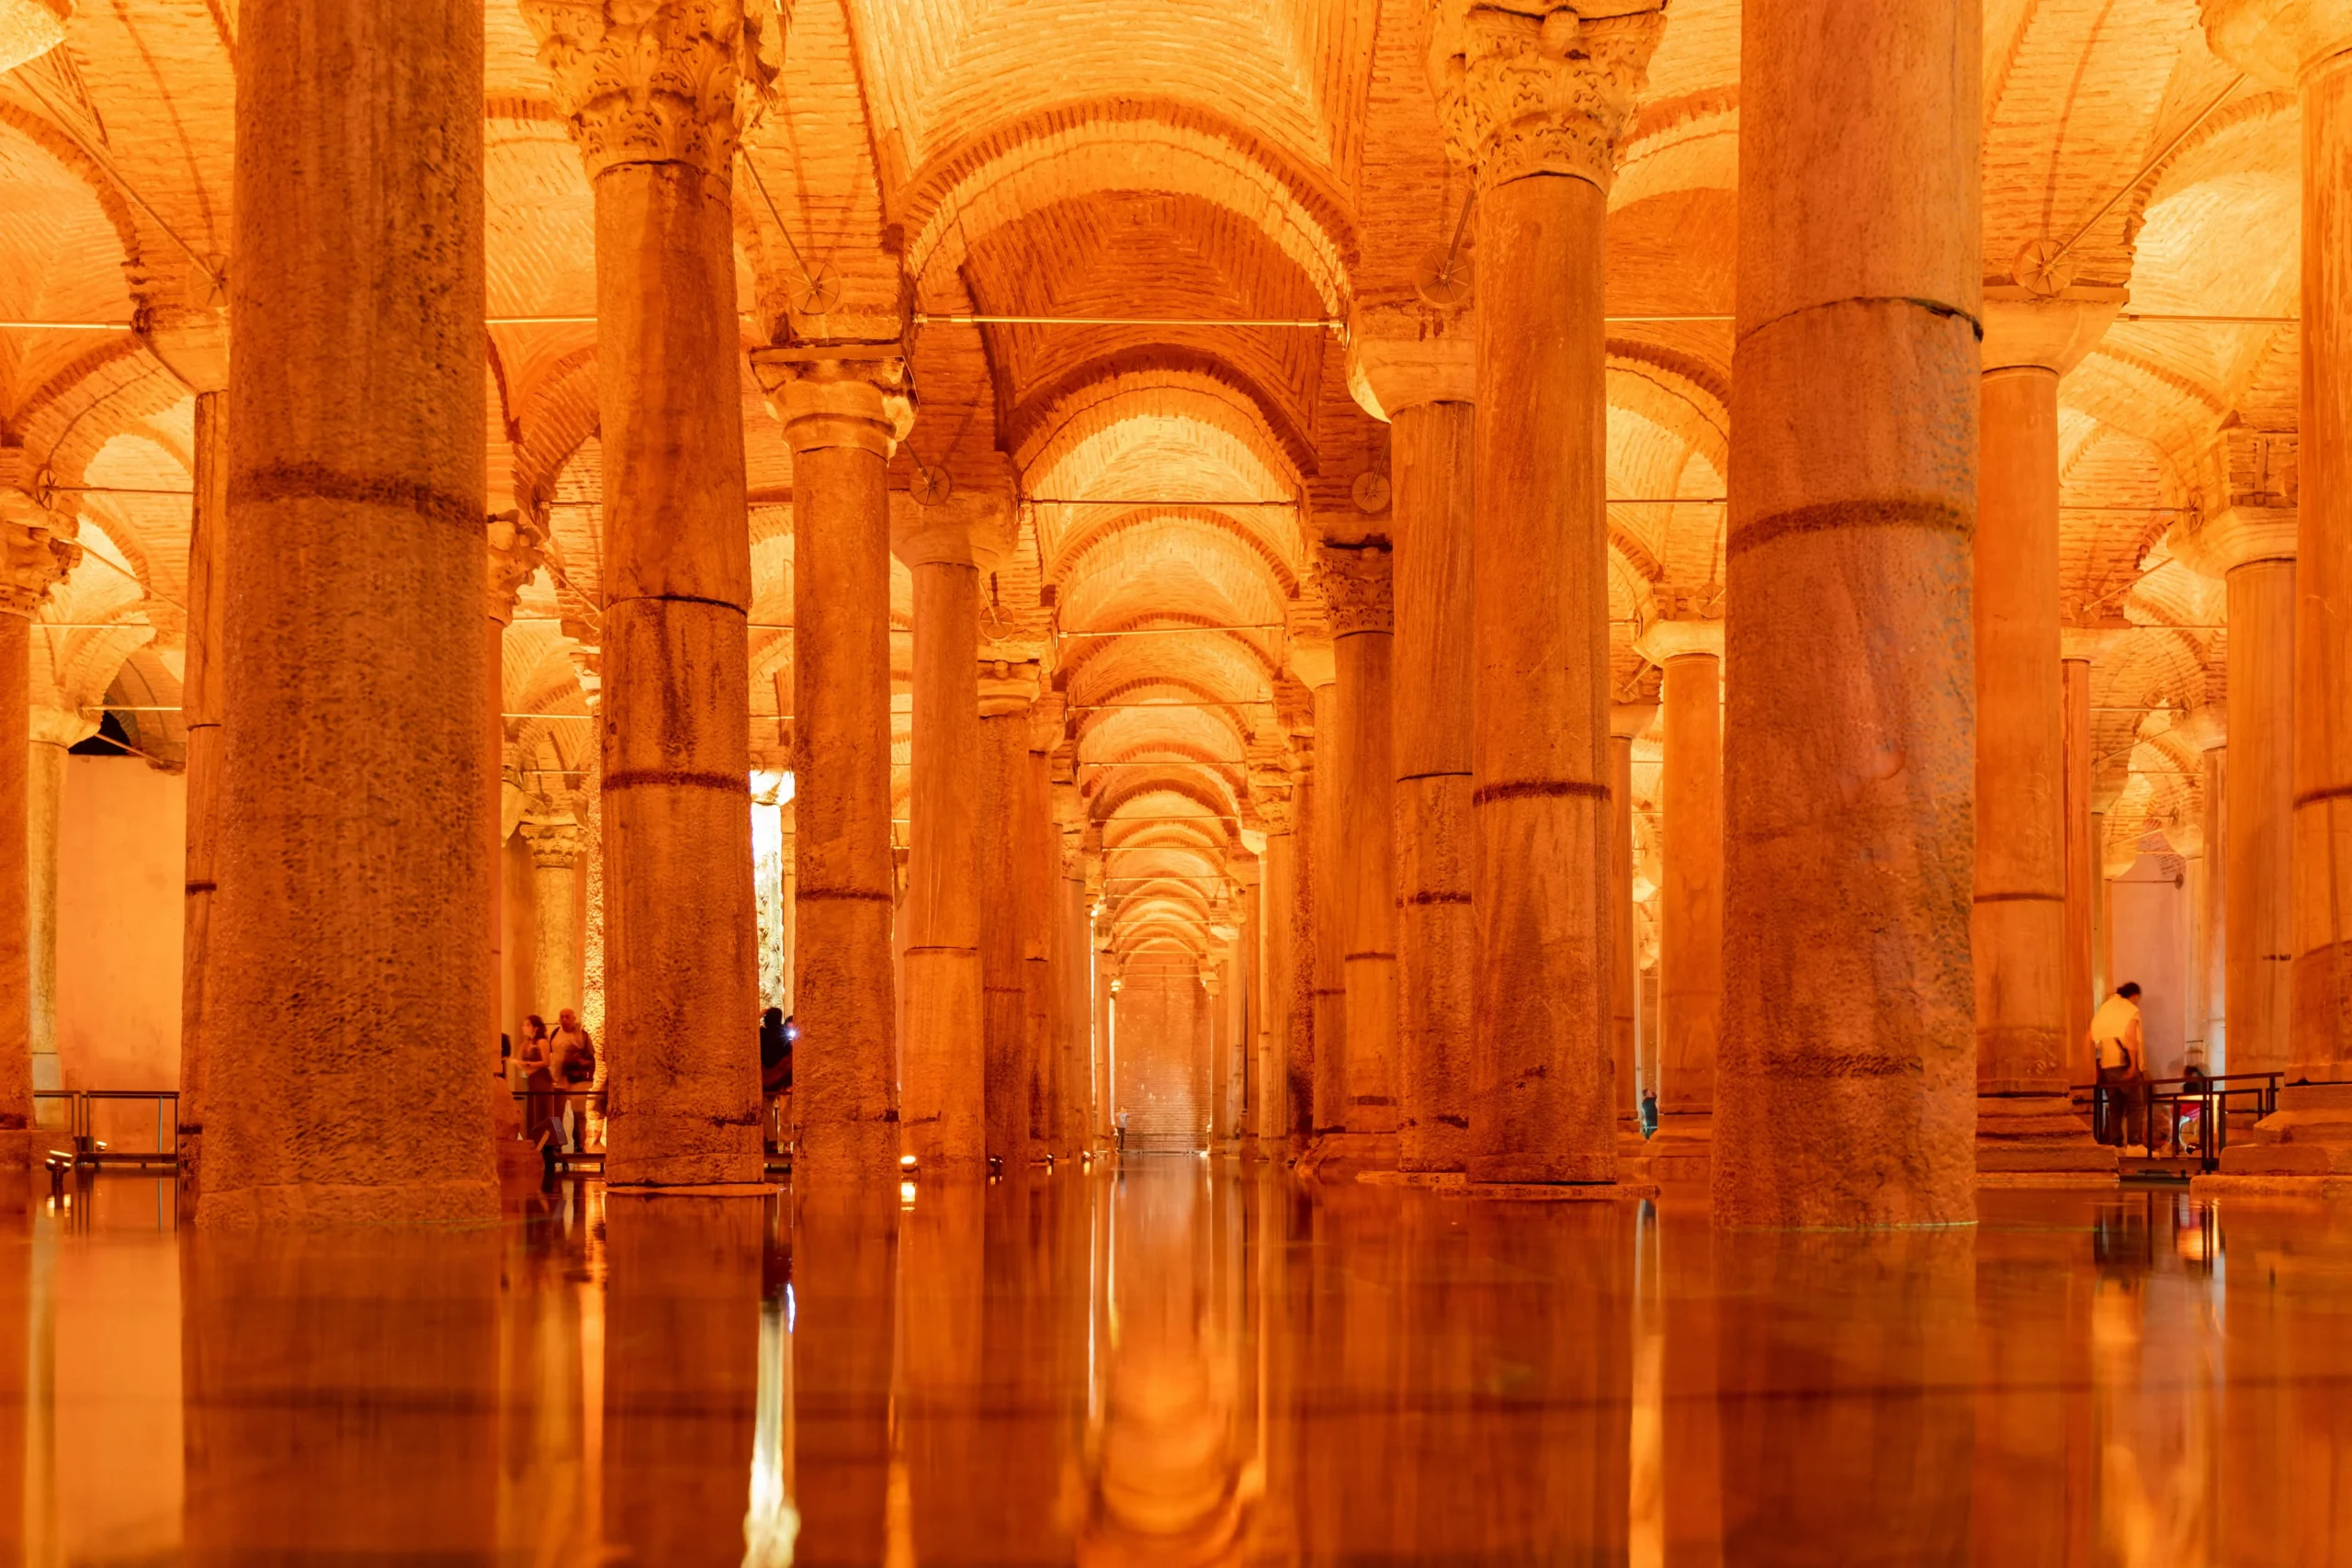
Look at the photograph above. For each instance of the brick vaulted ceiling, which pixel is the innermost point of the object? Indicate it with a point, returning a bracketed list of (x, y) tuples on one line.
[(1189, 161)]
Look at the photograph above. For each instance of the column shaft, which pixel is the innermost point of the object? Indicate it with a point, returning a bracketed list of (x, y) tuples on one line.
[(1277, 1112), (1035, 848), (356, 418), (942, 1085), (1846, 1081), (2319, 1046), (200, 711), (1327, 909), (1002, 782), (16, 965), (1432, 458), (2259, 817), (681, 996), (2213, 951), (2077, 981), (1543, 1107), (44, 817), (840, 422), (1691, 904), (1367, 855), (555, 964), (1625, 994)]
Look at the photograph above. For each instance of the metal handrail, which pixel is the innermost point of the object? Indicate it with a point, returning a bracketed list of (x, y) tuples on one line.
[(81, 1126), (2213, 1099)]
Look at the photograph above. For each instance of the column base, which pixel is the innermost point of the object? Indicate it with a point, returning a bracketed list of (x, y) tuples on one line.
[(2023, 1137), (1683, 1147), (2309, 1135), (1340, 1156)]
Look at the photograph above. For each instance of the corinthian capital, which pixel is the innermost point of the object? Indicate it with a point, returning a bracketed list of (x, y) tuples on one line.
[(657, 81), (855, 395), (1355, 587), (517, 548), (554, 841), (1540, 87)]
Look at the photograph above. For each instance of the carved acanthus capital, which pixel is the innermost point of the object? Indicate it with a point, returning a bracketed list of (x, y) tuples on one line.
[(856, 395), (517, 548), (554, 842), (1006, 689), (1355, 587), (657, 81), (34, 558), (1538, 87)]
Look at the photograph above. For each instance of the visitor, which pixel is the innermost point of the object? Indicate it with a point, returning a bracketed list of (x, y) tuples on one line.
[(2118, 1050), (776, 1073), (1649, 1114), (1121, 1131), (538, 1081), (575, 1069)]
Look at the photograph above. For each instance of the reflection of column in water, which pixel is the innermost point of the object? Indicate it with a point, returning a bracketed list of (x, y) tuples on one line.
[(845, 1243), (682, 1379), (771, 1524), (2035, 1453), (1165, 1483), (2156, 1454), (1646, 1502)]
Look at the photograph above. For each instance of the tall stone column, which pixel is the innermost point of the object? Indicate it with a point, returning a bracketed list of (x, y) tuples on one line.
[(945, 548), (1626, 720), (2307, 45), (1278, 914), (1000, 788), (2212, 927), (34, 556), (655, 94), (1425, 387), (1355, 587), (1690, 902), (200, 711), (355, 419), (1250, 1010), (2078, 978), (555, 907), (1537, 107), (51, 732), (2017, 921), (515, 541), (1073, 970), (846, 406), (1038, 868), (2253, 549), (1845, 1087), (1326, 906)]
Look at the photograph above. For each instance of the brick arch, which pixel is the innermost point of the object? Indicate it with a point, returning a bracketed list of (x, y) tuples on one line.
[(1141, 370), (1021, 165)]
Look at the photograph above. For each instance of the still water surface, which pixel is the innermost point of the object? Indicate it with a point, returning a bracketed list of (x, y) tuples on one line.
[(1179, 1363)]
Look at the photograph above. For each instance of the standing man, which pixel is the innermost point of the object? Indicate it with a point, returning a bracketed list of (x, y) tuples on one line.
[(2118, 1050)]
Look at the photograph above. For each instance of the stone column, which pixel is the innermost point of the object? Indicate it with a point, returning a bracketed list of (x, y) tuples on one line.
[(1691, 902), (2077, 978), (1626, 720), (515, 540), (2212, 927), (2253, 550), (2017, 921), (1278, 907), (200, 711), (1537, 107), (1073, 969), (355, 419), (846, 409), (52, 733), (1845, 1086), (656, 94), (34, 556), (945, 549), (1326, 905), (555, 890), (1250, 1008), (1425, 387), (1000, 788), (2307, 45), (1038, 868), (1355, 587)]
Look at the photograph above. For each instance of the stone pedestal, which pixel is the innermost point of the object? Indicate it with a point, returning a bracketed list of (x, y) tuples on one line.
[(1845, 1087), (846, 406), (355, 421), (1536, 106)]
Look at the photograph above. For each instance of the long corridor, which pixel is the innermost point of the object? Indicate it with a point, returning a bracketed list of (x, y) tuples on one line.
[(1171, 1363)]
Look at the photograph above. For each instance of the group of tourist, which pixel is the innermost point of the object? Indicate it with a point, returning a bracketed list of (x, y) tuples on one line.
[(558, 1070)]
